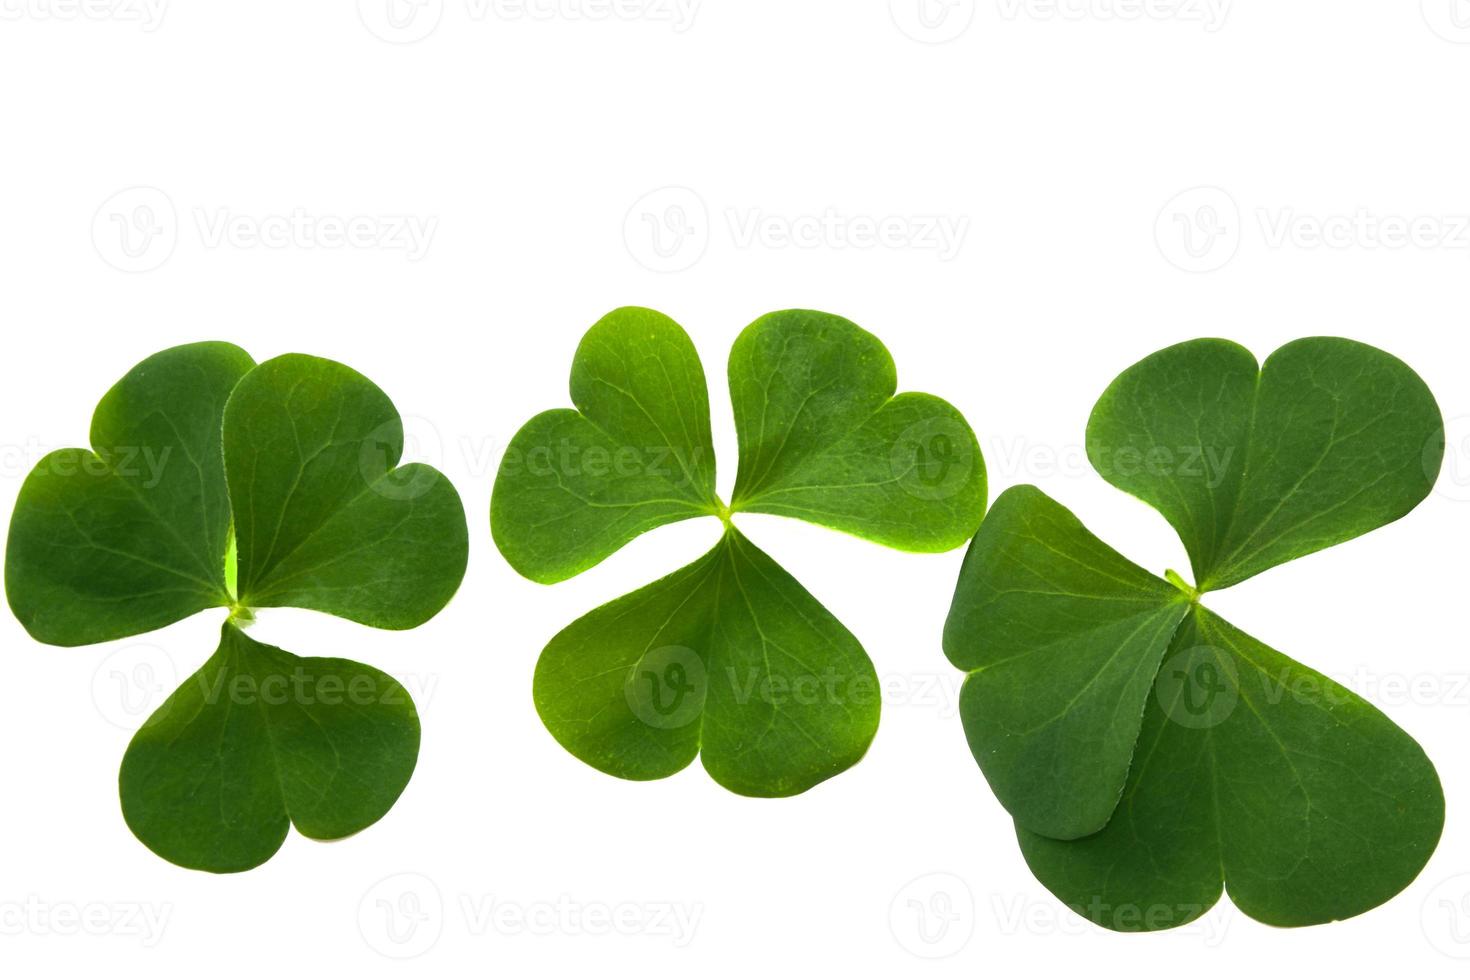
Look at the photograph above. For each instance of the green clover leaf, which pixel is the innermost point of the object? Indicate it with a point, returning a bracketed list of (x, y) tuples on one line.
[(131, 535), (214, 482), (730, 658), (1151, 753), (1255, 466), (636, 453), (824, 438), (260, 739)]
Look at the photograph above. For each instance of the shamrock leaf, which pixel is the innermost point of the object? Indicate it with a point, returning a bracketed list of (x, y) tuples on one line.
[(1257, 466), (1258, 774), (824, 438), (259, 739), (575, 486), (1150, 753), (1062, 637), (131, 535), (729, 658), (325, 518), (214, 482)]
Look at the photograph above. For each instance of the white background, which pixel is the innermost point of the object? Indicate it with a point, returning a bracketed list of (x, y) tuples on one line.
[(184, 172)]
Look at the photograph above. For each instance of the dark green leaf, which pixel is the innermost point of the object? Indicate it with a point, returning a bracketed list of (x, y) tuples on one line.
[(130, 536), (823, 438), (1304, 800), (214, 482), (259, 739), (1331, 439), (325, 518), (1237, 767), (729, 658), (1061, 637), (575, 486)]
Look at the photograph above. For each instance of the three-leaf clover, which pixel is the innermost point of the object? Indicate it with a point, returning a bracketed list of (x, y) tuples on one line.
[(216, 482), (1150, 752), (728, 658)]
